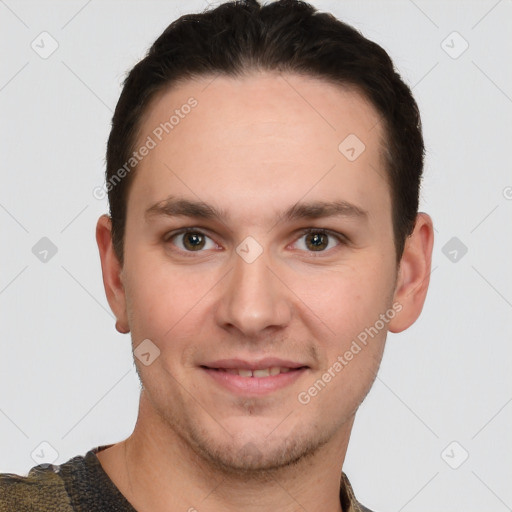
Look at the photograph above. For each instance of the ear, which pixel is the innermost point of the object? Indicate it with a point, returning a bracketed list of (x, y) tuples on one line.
[(413, 274), (112, 273)]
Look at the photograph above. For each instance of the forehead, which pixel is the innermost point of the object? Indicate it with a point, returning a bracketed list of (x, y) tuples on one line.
[(264, 136)]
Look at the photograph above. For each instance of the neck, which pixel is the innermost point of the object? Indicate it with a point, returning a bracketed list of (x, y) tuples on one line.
[(156, 469)]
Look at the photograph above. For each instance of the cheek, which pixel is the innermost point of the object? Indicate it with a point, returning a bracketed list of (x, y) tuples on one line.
[(349, 313), (348, 300), (162, 298)]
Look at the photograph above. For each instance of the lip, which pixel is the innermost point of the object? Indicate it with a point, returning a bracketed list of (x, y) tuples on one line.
[(253, 386), (267, 362)]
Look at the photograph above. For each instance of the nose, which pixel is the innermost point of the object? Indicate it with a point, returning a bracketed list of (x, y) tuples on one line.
[(253, 299)]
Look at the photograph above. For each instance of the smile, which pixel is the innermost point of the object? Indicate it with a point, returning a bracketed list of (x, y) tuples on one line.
[(253, 382), (265, 372)]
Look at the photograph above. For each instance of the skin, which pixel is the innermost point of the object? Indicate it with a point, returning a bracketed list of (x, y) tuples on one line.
[(254, 147)]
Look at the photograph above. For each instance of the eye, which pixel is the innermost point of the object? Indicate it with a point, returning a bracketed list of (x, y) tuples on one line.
[(192, 241), (318, 240)]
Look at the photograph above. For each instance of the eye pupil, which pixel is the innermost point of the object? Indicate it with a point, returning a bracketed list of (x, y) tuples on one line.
[(193, 241), (316, 241)]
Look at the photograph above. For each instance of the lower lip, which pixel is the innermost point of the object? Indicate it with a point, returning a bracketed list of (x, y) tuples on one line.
[(254, 385)]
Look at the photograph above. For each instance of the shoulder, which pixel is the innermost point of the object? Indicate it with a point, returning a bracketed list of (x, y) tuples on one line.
[(348, 499), (362, 508), (41, 490)]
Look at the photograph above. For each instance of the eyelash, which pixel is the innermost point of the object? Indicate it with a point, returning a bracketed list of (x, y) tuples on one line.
[(340, 238)]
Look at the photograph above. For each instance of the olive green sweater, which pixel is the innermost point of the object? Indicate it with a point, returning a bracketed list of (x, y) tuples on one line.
[(81, 485)]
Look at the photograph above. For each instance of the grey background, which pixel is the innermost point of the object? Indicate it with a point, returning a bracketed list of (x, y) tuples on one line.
[(66, 376)]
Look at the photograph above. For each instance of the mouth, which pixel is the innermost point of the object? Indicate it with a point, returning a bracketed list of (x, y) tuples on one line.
[(256, 373), (254, 378)]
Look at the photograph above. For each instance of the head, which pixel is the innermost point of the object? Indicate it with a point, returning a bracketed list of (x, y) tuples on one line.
[(267, 211)]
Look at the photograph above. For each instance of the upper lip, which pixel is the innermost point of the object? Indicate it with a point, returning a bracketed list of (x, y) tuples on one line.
[(261, 364)]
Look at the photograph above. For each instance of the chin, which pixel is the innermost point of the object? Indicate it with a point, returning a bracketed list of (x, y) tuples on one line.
[(250, 455)]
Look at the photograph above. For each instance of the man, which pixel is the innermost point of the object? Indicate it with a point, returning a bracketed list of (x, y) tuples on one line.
[(263, 172)]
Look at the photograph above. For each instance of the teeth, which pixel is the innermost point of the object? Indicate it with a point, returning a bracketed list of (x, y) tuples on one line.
[(261, 373), (265, 372)]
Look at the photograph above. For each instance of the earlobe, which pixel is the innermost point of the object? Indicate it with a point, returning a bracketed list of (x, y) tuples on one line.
[(111, 269), (414, 274), (122, 328)]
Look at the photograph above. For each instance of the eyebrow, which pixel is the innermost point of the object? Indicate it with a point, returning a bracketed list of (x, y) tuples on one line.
[(179, 207), (320, 209), (173, 207)]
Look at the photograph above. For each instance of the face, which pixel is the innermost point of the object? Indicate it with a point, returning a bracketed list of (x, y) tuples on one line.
[(258, 254)]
